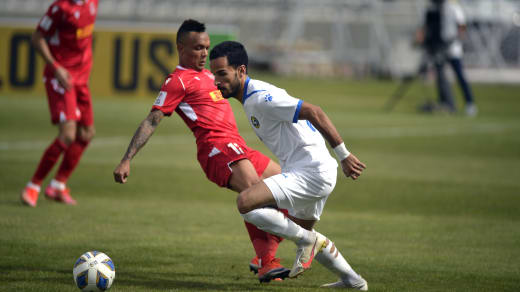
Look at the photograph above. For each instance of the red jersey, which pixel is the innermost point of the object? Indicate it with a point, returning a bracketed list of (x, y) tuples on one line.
[(68, 27), (194, 96)]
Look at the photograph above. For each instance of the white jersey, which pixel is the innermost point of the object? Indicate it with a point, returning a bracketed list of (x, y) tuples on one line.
[(453, 17), (273, 114)]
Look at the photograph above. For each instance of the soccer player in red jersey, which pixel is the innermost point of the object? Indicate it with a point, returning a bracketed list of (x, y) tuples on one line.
[(64, 39), (222, 153)]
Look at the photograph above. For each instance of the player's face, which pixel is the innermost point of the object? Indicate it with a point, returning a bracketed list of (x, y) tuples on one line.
[(226, 77), (193, 50)]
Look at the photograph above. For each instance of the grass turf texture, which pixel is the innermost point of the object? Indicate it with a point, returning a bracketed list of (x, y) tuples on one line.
[(436, 210)]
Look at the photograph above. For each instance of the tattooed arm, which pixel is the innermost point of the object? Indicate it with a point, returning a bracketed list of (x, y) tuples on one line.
[(141, 136)]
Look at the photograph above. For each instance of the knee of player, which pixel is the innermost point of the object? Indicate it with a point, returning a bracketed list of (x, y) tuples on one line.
[(242, 204), (88, 134), (250, 181), (67, 138)]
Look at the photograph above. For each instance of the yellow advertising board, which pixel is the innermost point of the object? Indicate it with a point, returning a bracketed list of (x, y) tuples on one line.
[(125, 63)]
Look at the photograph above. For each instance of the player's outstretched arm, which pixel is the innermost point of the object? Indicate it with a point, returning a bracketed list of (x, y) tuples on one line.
[(350, 164), (141, 136)]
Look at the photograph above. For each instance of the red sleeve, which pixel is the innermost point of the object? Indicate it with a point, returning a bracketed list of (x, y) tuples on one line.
[(49, 22), (171, 94)]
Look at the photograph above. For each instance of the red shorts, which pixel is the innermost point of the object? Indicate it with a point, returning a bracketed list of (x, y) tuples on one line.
[(72, 105), (215, 158)]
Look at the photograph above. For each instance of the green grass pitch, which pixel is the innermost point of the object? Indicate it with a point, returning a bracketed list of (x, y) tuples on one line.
[(438, 208)]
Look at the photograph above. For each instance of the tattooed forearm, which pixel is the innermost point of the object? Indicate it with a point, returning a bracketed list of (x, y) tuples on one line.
[(143, 133)]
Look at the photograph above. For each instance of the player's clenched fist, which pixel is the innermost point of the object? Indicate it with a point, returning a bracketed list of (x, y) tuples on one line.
[(122, 171)]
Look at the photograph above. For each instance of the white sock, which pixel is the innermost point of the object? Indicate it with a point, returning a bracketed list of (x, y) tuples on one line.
[(34, 186), (57, 185), (331, 258), (275, 222)]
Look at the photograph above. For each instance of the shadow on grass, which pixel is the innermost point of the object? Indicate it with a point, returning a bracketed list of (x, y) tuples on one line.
[(188, 281), (45, 276)]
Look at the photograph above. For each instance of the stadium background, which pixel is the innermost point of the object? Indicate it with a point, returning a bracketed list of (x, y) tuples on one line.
[(436, 210), (356, 38)]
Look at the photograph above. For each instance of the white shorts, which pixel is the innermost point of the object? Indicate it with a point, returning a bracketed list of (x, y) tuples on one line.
[(302, 192)]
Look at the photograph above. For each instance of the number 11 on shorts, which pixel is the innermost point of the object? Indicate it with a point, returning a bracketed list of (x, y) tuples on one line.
[(236, 148)]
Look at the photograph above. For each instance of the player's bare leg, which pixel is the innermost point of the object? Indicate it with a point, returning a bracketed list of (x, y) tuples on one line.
[(272, 168), (67, 132), (243, 175)]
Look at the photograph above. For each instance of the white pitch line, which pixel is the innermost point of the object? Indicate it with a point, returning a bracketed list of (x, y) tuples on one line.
[(356, 133), (100, 142), (396, 132)]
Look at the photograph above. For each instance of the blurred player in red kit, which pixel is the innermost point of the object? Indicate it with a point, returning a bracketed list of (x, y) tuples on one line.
[(221, 151), (64, 40)]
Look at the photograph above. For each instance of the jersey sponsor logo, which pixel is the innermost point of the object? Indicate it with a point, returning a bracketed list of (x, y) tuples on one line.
[(46, 23), (84, 31), (54, 9), (216, 95), (160, 98), (77, 14), (268, 98), (255, 122)]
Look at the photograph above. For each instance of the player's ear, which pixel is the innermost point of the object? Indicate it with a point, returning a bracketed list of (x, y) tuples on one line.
[(242, 71)]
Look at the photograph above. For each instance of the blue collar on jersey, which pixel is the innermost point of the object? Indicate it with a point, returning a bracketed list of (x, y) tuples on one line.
[(245, 96)]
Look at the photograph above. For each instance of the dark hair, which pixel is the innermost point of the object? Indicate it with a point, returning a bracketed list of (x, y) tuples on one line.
[(234, 51), (188, 26)]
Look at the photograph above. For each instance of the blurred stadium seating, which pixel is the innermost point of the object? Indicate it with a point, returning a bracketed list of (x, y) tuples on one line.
[(326, 37)]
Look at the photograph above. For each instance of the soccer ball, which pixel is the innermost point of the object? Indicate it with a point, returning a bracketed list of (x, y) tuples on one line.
[(94, 271)]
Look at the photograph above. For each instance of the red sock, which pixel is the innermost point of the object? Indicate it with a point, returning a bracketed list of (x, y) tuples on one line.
[(273, 241), (260, 242), (264, 243), (70, 160), (49, 158)]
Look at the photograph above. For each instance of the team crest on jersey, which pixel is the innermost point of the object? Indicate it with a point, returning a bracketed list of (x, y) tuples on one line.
[(255, 122), (216, 95)]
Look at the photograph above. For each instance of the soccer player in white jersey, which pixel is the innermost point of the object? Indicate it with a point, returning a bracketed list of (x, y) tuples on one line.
[(292, 130)]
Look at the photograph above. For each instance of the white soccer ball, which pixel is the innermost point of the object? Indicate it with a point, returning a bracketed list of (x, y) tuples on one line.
[(94, 271)]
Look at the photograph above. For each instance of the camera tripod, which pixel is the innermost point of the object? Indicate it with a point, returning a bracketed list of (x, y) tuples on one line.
[(407, 81)]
